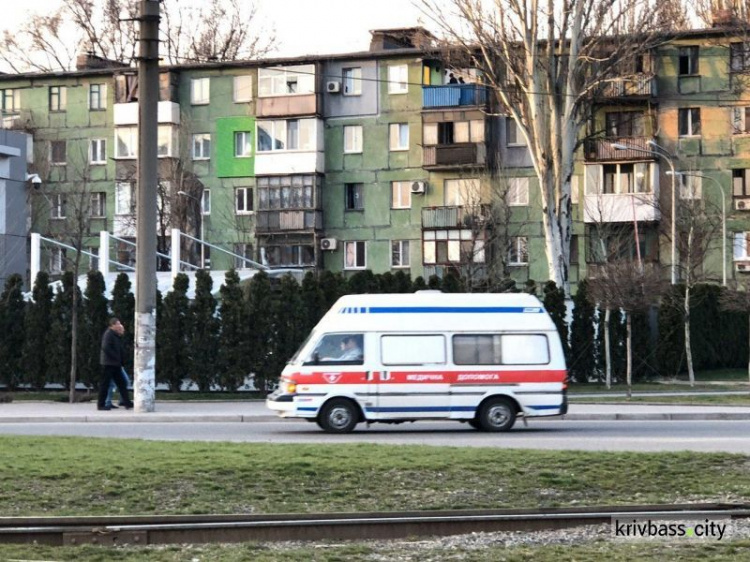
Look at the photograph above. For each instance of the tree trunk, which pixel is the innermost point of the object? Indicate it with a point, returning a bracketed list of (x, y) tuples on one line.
[(688, 348), (607, 353), (629, 342)]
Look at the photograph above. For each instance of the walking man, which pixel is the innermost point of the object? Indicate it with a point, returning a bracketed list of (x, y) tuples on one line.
[(112, 359)]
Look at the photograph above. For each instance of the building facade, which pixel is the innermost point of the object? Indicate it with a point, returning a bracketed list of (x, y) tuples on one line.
[(386, 160)]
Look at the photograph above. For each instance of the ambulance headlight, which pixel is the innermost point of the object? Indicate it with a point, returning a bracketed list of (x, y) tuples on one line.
[(289, 387)]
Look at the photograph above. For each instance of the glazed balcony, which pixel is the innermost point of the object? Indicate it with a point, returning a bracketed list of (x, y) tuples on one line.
[(467, 216), (602, 149), (453, 95), (270, 221)]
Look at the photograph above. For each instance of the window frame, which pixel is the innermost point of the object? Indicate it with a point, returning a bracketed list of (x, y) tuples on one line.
[(357, 245), (354, 197), (206, 202), (404, 188), (398, 79), (98, 100), (58, 206), (354, 143), (275, 76), (351, 75), (204, 139), (399, 251), (57, 99), (247, 201), (98, 202), (686, 120), (200, 87), (119, 210), (247, 144), (518, 247), (10, 100), (236, 89), (518, 192), (98, 152), (394, 137), (52, 158), (688, 60), (131, 142)]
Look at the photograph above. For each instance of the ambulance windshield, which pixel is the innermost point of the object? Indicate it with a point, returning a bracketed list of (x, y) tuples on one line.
[(296, 359)]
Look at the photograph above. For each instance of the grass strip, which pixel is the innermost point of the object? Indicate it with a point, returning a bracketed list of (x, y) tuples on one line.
[(80, 476), (720, 400)]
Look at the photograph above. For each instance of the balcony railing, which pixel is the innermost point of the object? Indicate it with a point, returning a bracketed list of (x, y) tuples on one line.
[(453, 95), (601, 149), (468, 216), (448, 155), (641, 85), (288, 221)]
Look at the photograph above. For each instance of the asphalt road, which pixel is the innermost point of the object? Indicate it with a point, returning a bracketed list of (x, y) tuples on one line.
[(692, 435)]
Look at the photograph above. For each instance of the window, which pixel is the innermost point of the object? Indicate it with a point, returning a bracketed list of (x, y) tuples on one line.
[(444, 247), (290, 134), (519, 251), (57, 153), (515, 138), (56, 260), (690, 121), (98, 153), (741, 182), (98, 205), (690, 186), (202, 146), (97, 97), (244, 250), (206, 202), (398, 79), (57, 206), (294, 255), (243, 88), (243, 197), (243, 144), (741, 246), (289, 192), (126, 142), (452, 132), (518, 192), (10, 100), (355, 197), (399, 136), (93, 260), (625, 124), (741, 120), (355, 255), (688, 60), (338, 349), (496, 349), (400, 253), (618, 178), (124, 198), (413, 350), (401, 194), (199, 91), (352, 79), (462, 192), (739, 54), (166, 140), (352, 139), (57, 98), (286, 81)]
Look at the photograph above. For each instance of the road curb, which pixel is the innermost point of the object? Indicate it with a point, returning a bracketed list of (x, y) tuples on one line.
[(238, 418)]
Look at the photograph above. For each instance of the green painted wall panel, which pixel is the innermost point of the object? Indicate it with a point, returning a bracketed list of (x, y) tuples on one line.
[(227, 165)]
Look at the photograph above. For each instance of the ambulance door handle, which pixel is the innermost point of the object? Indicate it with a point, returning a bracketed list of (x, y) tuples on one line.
[(368, 375)]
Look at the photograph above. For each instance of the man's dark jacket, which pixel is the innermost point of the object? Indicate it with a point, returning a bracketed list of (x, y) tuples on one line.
[(113, 351)]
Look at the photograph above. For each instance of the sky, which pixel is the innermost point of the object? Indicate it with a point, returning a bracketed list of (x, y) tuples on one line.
[(302, 26)]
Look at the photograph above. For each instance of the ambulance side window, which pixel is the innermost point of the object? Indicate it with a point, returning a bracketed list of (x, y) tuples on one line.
[(338, 349), (500, 349), (428, 349)]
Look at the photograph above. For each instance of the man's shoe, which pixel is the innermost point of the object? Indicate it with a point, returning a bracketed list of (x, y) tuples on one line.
[(104, 407), (129, 406), (113, 406)]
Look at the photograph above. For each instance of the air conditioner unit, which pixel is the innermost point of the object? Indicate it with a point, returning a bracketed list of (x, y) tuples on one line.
[(333, 87), (328, 243), (742, 266), (742, 204), (417, 187)]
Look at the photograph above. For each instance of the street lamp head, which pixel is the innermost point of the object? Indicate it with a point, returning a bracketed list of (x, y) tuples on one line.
[(618, 146)]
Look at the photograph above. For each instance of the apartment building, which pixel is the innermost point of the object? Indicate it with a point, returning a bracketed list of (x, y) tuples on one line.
[(386, 160)]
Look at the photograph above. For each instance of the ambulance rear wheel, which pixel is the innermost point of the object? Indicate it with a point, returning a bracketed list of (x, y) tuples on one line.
[(475, 423), (338, 416), (497, 414)]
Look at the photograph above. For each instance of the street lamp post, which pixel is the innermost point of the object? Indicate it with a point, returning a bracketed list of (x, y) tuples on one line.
[(723, 221), (664, 155), (200, 211)]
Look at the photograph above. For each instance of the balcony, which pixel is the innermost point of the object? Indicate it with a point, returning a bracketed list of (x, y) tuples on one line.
[(621, 207), (287, 106), (444, 156), (601, 149), (127, 113), (468, 216), (288, 221), (642, 85), (453, 95)]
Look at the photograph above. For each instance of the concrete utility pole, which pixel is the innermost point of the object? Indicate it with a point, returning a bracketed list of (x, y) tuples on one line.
[(145, 252)]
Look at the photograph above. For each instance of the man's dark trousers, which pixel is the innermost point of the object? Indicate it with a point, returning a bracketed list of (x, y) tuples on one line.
[(113, 373)]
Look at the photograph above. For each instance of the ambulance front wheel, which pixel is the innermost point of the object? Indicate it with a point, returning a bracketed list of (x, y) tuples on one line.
[(497, 414), (338, 416)]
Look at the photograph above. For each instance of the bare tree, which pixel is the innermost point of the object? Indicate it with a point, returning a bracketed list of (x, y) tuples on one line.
[(216, 30), (545, 64)]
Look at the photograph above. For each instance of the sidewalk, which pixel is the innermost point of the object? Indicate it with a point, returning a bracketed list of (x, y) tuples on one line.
[(255, 411)]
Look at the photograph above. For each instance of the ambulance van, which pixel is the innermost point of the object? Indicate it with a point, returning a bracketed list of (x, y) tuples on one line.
[(483, 359)]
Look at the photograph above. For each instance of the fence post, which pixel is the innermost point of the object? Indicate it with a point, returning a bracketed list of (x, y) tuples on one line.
[(176, 257), (104, 253)]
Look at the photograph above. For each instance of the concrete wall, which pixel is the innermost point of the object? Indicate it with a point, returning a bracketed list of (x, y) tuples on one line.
[(14, 214)]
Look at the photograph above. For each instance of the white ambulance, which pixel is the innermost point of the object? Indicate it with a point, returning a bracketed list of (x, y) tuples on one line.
[(484, 359)]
